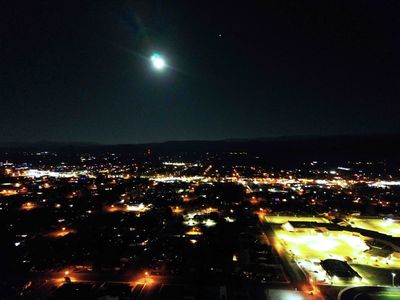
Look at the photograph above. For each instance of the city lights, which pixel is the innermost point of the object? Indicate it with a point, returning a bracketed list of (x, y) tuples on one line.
[(175, 209), (194, 150)]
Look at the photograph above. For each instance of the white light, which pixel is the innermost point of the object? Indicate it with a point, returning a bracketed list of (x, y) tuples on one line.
[(209, 222), (158, 61)]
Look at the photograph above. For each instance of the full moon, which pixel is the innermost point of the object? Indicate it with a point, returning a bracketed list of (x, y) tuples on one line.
[(157, 61)]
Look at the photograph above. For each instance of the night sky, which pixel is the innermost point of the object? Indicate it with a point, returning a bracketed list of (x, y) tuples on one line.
[(79, 70)]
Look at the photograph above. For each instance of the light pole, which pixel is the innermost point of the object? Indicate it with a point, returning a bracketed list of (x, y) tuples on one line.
[(393, 276)]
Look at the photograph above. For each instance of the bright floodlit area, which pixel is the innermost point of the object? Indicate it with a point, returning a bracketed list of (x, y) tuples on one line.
[(285, 295), (337, 245), (383, 225), (308, 246), (283, 219)]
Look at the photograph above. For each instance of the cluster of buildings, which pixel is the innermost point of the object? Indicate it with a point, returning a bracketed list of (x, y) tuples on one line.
[(95, 219)]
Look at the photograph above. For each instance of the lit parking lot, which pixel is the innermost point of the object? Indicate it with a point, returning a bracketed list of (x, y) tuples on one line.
[(309, 246), (387, 225)]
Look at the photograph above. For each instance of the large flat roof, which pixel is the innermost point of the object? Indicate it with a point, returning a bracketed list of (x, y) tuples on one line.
[(341, 269)]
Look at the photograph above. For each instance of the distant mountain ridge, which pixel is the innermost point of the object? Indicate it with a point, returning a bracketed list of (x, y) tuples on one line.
[(294, 138), (351, 147), (45, 143)]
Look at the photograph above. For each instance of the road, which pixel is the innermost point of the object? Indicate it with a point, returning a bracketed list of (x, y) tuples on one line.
[(361, 292), (143, 287), (297, 277)]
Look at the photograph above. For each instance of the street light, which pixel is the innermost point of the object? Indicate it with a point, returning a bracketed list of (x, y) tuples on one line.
[(393, 276)]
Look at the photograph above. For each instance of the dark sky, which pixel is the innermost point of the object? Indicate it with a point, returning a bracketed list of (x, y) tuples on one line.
[(78, 70)]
